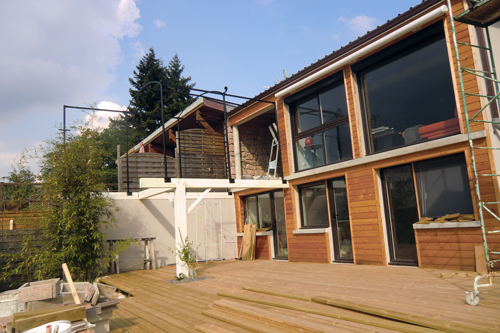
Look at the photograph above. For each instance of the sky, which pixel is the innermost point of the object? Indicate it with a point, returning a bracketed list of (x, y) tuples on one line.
[(82, 52)]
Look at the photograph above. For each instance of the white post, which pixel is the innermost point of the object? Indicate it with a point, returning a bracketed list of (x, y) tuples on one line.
[(180, 224), (237, 152), (119, 160)]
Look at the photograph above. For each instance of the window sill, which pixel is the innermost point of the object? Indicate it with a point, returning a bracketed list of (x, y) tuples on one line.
[(261, 233), (447, 225), (405, 150), (310, 231)]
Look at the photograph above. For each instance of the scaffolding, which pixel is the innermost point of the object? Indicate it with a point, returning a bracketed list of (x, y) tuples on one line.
[(481, 13)]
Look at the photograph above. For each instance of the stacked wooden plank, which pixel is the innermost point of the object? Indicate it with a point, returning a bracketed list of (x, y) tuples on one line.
[(457, 217), (41, 302), (249, 241)]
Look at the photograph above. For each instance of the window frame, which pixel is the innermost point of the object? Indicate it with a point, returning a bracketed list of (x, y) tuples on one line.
[(308, 185), (272, 211), (392, 53), (315, 91), (337, 247), (390, 224)]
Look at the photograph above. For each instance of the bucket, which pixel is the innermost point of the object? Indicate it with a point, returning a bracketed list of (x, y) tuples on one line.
[(64, 327)]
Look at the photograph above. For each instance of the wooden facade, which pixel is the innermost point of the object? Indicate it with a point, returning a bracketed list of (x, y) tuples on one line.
[(202, 156), (450, 248)]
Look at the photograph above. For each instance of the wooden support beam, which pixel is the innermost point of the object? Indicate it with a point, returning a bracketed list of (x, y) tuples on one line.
[(212, 183), (150, 192), (198, 200), (180, 225), (171, 135), (203, 122)]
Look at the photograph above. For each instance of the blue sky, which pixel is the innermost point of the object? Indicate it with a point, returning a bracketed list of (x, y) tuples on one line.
[(81, 52)]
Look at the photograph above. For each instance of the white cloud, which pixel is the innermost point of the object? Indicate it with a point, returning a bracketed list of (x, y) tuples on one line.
[(159, 23), (58, 52), (100, 119), (139, 51), (360, 24)]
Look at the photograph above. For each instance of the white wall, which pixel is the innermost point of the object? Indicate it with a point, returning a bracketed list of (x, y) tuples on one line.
[(154, 217)]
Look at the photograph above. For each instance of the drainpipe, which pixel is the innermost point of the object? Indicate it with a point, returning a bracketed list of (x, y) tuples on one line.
[(237, 151)]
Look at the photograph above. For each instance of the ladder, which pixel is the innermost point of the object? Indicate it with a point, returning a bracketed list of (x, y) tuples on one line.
[(480, 14), (273, 155)]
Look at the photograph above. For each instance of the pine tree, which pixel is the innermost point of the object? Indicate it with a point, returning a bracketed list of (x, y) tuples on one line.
[(178, 88), (145, 108), (145, 113)]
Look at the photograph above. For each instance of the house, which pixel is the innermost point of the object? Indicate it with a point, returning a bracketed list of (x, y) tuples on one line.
[(194, 147), (373, 139)]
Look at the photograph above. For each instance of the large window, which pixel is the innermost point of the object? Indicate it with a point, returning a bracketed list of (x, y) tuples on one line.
[(321, 124), (407, 92), (431, 188)]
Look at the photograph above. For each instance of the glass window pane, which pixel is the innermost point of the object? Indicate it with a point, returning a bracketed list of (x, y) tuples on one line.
[(265, 218), (443, 186), (338, 144), (401, 212), (314, 209), (333, 103), (308, 114), (310, 152), (279, 207), (409, 98), (251, 210), (341, 211)]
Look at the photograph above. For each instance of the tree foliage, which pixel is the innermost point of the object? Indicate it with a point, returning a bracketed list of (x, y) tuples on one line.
[(73, 176), (145, 106)]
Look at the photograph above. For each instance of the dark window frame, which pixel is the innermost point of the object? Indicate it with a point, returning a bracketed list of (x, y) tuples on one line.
[(305, 186), (390, 54), (334, 223), (315, 91), (416, 167), (272, 207)]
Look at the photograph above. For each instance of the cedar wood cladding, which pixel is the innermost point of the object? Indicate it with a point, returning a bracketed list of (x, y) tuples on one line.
[(437, 248)]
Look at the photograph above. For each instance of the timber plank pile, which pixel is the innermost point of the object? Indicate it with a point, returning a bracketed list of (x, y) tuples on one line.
[(270, 296)]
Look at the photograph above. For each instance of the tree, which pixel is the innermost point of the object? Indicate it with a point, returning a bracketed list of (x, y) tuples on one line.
[(178, 88), (145, 108), (23, 190), (110, 137), (70, 230)]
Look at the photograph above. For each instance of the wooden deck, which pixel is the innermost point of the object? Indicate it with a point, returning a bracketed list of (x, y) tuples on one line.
[(435, 297)]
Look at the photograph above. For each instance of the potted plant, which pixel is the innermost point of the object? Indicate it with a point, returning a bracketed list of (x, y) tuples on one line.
[(188, 255)]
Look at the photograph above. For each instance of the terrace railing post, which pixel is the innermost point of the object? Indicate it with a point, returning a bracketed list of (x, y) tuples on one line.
[(226, 138), (167, 179)]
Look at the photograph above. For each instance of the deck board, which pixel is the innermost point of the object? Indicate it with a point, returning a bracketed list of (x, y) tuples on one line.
[(159, 306)]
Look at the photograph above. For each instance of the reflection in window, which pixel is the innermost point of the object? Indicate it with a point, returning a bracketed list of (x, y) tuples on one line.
[(258, 211), (341, 226), (308, 114), (337, 148), (322, 134), (265, 217), (311, 152), (408, 92), (443, 186), (314, 207)]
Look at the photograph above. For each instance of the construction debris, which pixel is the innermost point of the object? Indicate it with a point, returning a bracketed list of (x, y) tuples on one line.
[(457, 217), (88, 307)]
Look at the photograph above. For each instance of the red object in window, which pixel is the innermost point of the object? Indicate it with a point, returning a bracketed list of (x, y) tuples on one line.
[(309, 141)]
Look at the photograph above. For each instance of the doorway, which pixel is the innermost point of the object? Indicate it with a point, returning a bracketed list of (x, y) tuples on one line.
[(267, 211)]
